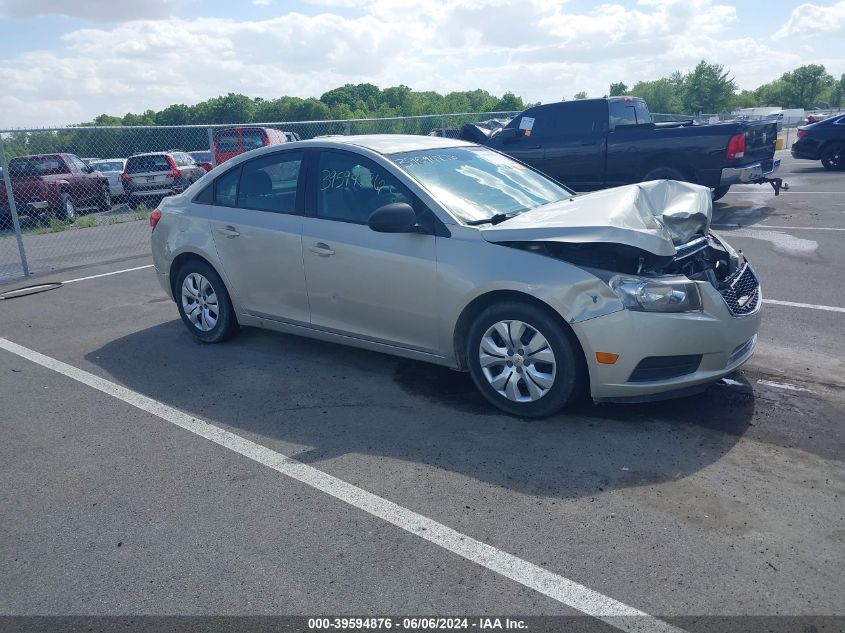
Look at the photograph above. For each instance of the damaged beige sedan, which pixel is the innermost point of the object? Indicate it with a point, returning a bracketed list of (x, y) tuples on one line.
[(452, 253)]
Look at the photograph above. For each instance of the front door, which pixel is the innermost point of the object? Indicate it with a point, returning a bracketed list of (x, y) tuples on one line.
[(376, 286)]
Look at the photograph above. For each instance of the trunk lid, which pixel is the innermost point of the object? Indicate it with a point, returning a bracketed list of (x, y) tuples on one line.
[(654, 216)]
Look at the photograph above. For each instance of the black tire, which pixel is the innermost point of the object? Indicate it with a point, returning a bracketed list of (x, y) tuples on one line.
[(104, 201), (570, 374), (719, 192), (664, 173), (67, 207), (226, 325), (833, 156)]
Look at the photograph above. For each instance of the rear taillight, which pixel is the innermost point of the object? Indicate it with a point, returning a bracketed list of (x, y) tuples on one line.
[(802, 133), (174, 170), (736, 146), (155, 216)]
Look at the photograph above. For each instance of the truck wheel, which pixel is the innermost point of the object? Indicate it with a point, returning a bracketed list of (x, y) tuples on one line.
[(719, 192), (104, 203), (664, 173), (833, 157), (67, 208), (523, 361)]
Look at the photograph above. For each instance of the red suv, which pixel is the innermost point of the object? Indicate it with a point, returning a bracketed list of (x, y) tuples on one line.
[(234, 141), (58, 184)]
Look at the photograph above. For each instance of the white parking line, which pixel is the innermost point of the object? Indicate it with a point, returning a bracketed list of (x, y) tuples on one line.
[(114, 272), (811, 306), (770, 226), (556, 587), (745, 192)]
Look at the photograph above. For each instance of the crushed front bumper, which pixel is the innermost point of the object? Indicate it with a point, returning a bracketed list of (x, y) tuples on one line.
[(722, 339)]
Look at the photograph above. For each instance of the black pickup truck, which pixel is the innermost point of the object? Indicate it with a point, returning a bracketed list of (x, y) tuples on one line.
[(595, 143)]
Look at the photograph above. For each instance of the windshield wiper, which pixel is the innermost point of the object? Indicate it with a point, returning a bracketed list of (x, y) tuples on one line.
[(495, 219)]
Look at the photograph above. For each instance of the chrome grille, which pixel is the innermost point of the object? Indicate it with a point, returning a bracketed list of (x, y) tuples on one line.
[(742, 294)]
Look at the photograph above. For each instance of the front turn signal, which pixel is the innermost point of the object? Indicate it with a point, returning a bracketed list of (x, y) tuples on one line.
[(606, 358)]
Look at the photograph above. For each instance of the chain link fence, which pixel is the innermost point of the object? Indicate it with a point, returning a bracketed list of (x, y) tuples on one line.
[(72, 196)]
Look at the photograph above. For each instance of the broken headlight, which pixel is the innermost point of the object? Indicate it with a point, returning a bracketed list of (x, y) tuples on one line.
[(669, 294)]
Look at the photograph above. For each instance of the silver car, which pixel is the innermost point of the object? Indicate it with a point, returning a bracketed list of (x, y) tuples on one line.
[(448, 252), (112, 168)]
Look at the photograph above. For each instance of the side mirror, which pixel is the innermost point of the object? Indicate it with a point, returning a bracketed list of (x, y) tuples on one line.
[(398, 217)]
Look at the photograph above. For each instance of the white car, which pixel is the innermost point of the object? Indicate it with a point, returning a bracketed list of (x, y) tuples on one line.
[(111, 168)]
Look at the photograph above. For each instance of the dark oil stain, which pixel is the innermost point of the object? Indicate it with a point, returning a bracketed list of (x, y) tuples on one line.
[(440, 384)]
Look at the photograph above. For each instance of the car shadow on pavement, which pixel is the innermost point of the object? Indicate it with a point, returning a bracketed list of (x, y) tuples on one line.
[(317, 401)]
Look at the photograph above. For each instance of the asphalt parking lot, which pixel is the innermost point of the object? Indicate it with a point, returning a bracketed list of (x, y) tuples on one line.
[(409, 494)]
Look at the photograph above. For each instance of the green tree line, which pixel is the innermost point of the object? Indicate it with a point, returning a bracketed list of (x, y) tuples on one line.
[(710, 88), (361, 101)]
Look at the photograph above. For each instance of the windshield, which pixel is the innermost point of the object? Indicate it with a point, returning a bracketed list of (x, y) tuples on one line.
[(475, 183), (108, 166)]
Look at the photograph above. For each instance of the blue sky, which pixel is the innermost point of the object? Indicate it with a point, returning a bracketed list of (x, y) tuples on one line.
[(64, 61)]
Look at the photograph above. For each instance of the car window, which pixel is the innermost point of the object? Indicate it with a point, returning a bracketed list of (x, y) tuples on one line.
[(108, 166), (269, 183), (146, 163), (253, 139), (629, 112), (227, 141), (77, 164), (226, 188), (350, 187), (36, 166)]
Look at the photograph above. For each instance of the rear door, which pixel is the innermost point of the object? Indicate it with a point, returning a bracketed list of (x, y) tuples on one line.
[(572, 136), (256, 221)]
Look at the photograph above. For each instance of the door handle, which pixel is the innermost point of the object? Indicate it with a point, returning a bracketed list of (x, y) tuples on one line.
[(321, 249), (228, 231)]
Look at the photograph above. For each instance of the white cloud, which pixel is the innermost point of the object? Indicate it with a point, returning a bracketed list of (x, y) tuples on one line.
[(97, 10), (813, 19), (539, 49), (262, 3)]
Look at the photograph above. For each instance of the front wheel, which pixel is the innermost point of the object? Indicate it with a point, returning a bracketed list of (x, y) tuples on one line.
[(104, 201), (524, 361), (204, 303), (833, 157)]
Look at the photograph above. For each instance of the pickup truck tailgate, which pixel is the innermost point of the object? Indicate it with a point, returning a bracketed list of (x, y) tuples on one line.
[(760, 141)]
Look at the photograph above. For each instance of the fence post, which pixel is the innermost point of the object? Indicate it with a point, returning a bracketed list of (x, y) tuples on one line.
[(211, 146), (349, 128), (443, 127), (10, 198)]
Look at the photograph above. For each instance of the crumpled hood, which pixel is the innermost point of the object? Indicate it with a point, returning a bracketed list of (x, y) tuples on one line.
[(655, 216)]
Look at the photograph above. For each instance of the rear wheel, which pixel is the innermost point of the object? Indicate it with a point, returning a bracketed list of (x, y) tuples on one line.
[(204, 303), (524, 361), (67, 208), (719, 192), (833, 156), (664, 173)]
